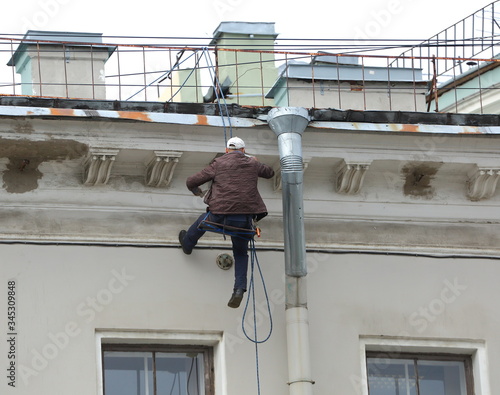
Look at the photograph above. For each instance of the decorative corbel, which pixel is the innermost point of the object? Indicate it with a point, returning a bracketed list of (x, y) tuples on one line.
[(349, 177), (482, 183), (160, 168), (277, 174), (98, 165), (277, 178)]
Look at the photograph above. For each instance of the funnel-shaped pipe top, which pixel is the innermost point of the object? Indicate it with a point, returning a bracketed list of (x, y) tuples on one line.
[(288, 120)]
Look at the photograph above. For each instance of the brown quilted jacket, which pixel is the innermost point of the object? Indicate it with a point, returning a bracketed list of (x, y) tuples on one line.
[(234, 179)]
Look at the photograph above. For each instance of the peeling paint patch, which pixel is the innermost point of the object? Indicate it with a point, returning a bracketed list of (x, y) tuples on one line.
[(418, 179), (68, 112), (469, 130), (91, 113), (409, 128), (23, 127), (137, 115), (21, 178), (201, 120), (44, 150)]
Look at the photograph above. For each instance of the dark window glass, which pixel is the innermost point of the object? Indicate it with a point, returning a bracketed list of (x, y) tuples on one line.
[(155, 372), (414, 374)]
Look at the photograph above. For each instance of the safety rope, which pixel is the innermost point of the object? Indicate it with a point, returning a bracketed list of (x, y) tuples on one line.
[(218, 89), (251, 291), (254, 262), (238, 233)]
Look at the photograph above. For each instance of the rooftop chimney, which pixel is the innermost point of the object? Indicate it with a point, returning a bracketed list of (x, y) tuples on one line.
[(245, 76), (62, 64)]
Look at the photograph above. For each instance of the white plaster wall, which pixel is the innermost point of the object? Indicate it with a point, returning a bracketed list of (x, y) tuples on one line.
[(351, 296), (376, 96), (60, 70), (66, 289)]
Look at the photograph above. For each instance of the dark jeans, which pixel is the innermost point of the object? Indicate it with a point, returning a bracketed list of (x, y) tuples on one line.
[(240, 243)]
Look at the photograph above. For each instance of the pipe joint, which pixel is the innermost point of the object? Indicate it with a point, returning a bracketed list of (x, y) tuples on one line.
[(291, 164)]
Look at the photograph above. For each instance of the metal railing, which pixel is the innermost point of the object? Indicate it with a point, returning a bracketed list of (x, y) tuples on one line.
[(200, 74), (476, 36)]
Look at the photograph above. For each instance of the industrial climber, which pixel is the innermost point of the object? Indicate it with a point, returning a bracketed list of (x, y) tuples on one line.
[(232, 200)]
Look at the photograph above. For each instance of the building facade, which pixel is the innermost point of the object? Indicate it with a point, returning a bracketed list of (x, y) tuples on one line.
[(402, 231)]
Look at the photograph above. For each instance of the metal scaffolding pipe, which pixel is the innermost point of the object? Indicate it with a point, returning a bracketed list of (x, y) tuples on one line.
[(289, 124)]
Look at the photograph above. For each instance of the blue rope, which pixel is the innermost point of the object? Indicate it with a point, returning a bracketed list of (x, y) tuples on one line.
[(256, 344), (187, 78), (251, 290), (254, 261), (217, 88)]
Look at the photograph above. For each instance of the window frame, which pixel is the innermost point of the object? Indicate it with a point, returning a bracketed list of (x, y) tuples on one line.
[(475, 348), (423, 356), (207, 351)]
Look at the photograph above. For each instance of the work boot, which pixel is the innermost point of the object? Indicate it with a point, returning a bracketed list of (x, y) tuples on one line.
[(236, 298), (182, 234)]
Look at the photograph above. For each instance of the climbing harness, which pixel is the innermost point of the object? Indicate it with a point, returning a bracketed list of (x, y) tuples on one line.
[(248, 234), (227, 230)]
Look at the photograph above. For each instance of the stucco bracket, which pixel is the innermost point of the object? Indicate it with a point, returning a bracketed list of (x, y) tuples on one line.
[(98, 165), (349, 176), (160, 168), (277, 174), (482, 183)]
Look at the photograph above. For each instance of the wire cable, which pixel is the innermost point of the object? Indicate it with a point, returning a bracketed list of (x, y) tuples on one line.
[(196, 65), (160, 77)]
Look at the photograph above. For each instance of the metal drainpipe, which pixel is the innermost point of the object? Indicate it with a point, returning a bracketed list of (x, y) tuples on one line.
[(289, 123)]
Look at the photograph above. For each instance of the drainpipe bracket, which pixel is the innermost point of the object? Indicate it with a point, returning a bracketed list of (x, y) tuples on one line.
[(301, 381)]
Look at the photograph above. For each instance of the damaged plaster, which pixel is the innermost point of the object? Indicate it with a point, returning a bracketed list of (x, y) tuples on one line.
[(418, 179), (22, 174)]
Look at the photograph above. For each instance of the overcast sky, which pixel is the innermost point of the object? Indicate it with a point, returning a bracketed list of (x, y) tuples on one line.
[(416, 19), (309, 19)]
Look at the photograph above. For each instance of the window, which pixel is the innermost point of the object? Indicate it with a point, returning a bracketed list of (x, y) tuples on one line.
[(419, 374), (154, 370)]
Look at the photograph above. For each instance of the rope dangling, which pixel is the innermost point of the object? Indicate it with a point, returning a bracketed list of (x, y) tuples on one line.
[(251, 291), (219, 95), (254, 261)]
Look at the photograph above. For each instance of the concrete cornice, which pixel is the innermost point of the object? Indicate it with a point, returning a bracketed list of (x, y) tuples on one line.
[(140, 116), (400, 184), (160, 229)]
